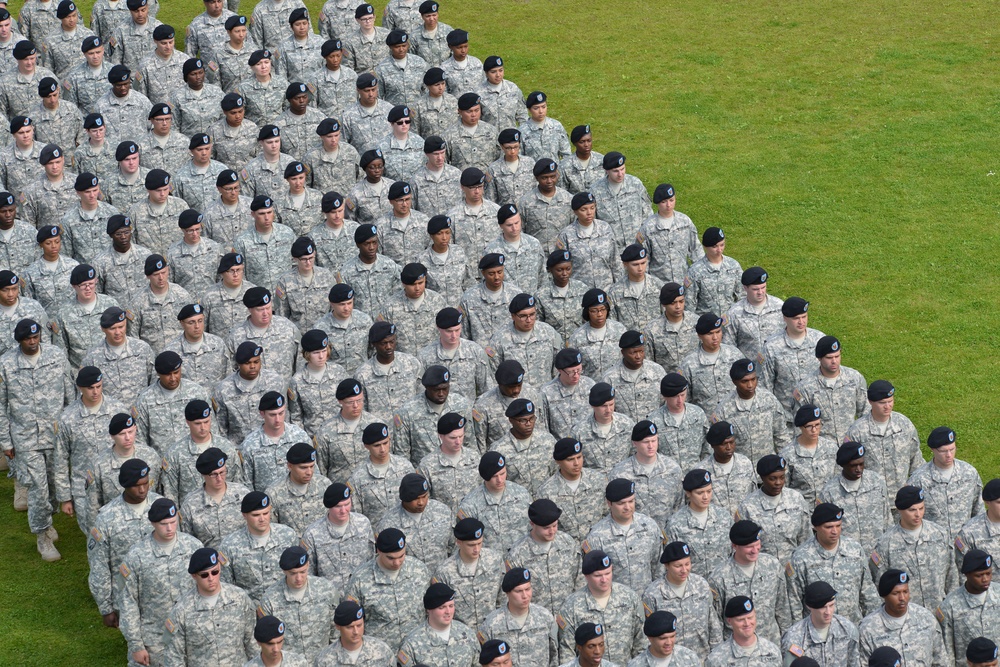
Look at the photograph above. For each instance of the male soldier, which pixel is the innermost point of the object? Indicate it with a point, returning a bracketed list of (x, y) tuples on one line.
[(234, 135), (488, 412), (621, 614), (57, 121), (163, 147), (180, 475), (194, 257), (744, 645), (907, 627), (863, 496), (223, 302), (592, 243), (88, 81), (298, 205), (126, 185), (428, 521), (46, 278), (634, 378), (265, 245), (525, 450), (980, 531), (401, 75), (17, 249), (45, 198), (713, 280), (831, 558), (333, 166), (206, 33), (700, 523), (234, 53), (119, 525), (338, 439), (212, 510), (528, 626), (14, 308), (334, 236), (162, 69), (269, 632), (474, 217), (389, 378), (124, 110), (265, 448), (425, 644), (448, 268), (707, 367), (559, 293), (127, 363), (335, 82), (632, 539), (365, 122), (151, 579), (483, 304), (403, 233), (312, 390), (788, 354), (837, 390), (782, 512), (308, 602), (366, 45), (298, 125), (416, 419), (159, 407), (754, 412), (106, 462), (687, 596), (154, 318), (755, 317), (952, 487), (575, 487), (474, 572), (531, 342), (671, 240), (464, 72), (203, 353), (431, 37), (121, 266), (660, 629), (451, 468), (657, 478), (759, 574), (340, 541), (377, 479), (235, 397), (196, 104), (19, 86), (621, 200), (823, 635), (372, 275), (297, 496), (368, 200), (566, 395), (414, 309), (502, 100), (810, 458), (349, 617), (604, 432), (269, 21), (389, 586), (20, 167), (971, 610), (546, 207), (499, 504), (201, 632), (890, 439), (302, 291), (250, 555), (437, 185), (135, 36), (348, 328), (266, 329), (471, 142), (299, 53), (74, 326)]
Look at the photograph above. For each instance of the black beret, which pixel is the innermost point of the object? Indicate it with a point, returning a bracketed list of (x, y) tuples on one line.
[(521, 302), (630, 339), (294, 168), (159, 110), (298, 14), (738, 606), (663, 192), (116, 222), (189, 218), (827, 345), (437, 594), (908, 496), (272, 400), (579, 132), (160, 509), (210, 460), (675, 551), (826, 513), (132, 473), (849, 451), (565, 448), (619, 489), (111, 317), (981, 650), (490, 464), (268, 628), (340, 293), (976, 560), (93, 121), (567, 358), (890, 579), (366, 80), (119, 74), (300, 453), (457, 37), (380, 330), (49, 153), (167, 362), (754, 276), (804, 661), (335, 494), (696, 479), (492, 648), (47, 86), (412, 272), (741, 368), (669, 293), (600, 393), (23, 49), (884, 656), (348, 612), (433, 144), (642, 430), (794, 307), (818, 594), (90, 43), (514, 577), (157, 178), (719, 432), (535, 97), (332, 201), (472, 176), (712, 237), (491, 260), (266, 132), (991, 490), (519, 407), (435, 375), (364, 232), (85, 181), (257, 56), (707, 323), (390, 540), (348, 388), (163, 31), (153, 264), (744, 532), (879, 390), (293, 557), (232, 101), (557, 257), (509, 136), (88, 376), (587, 631), (203, 559), (468, 529), (492, 62), (197, 409), (331, 46), (255, 297), (246, 351), (595, 561), (364, 9), (428, 7), (612, 160), (940, 437), (235, 21), (17, 122), (469, 100), (438, 223), (296, 88), (632, 253), (374, 432), (672, 384), (543, 512), (449, 422), (226, 177), (412, 486), (505, 213), (660, 622), (8, 278), (545, 165), (448, 317), (26, 328), (399, 189), (253, 501), (192, 65), (770, 463), (303, 246), (806, 414), (45, 231)]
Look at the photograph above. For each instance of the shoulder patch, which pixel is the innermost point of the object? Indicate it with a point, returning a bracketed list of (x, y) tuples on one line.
[(67, 85), (55, 425), (507, 565), (715, 593), (687, 281), (134, 412), (796, 650), (96, 534), (222, 559), (279, 292), (560, 621), (646, 609), (585, 546), (959, 544), (130, 315), (261, 612), (435, 580), (939, 615), (402, 658), (481, 637), (164, 463), (54, 327), (460, 515), (797, 395), (113, 41), (477, 415), (90, 477), (397, 421), (490, 352), (212, 65), (171, 626), (725, 319), (789, 570), (292, 396), (245, 174), (215, 405), (640, 238), (760, 358), (123, 568), (876, 558), (138, 77)]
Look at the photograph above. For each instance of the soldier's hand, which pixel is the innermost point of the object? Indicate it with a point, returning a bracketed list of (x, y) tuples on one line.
[(110, 620), (67, 508), (9, 453), (141, 657)]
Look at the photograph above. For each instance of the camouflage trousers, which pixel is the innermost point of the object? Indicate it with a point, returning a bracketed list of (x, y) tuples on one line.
[(33, 469)]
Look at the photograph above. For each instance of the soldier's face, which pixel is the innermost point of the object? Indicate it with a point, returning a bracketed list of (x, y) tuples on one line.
[(898, 600), (604, 413), (170, 381), (585, 144), (368, 96), (202, 154), (271, 651), (570, 376), (797, 325), (510, 390), (93, 394), (470, 117), (600, 581), (417, 505), (511, 228), (238, 35), (335, 218), (386, 348), (438, 394), (130, 164), (442, 616), (662, 646), (571, 467), (712, 340), (616, 175), (89, 198), (746, 553), (125, 440), (378, 452), (678, 571), (744, 626), (86, 290), (341, 512), (115, 334), (545, 533), (493, 278), (561, 273), (633, 357), (300, 29), (213, 8), (882, 410), (524, 320), (158, 280), (435, 160), (27, 65), (523, 427), (715, 252), (94, 57), (8, 295), (165, 47), (6, 28), (598, 315), (296, 184), (366, 23), (854, 469), (7, 216), (271, 146), (979, 582), (417, 289), (622, 510), (296, 578), (547, 181), (473, 193), (51, 101), (520, 597), (166, 529), (30, 345), (460, 51), (828, 534), (538, 112), (263, 220), (368, 250), (944, 456), (676, 403), (823, 616), (430, 20), (392, 561), (437, 89), (262, 68), (495, 75), (260, 316), (585, 214), (912, 517), (333, 60), (402, 205), (317, 358), (350, 408), (274, 420), (50, 246), (470, 549), (298, 103), (234, 117), (746, 386), (700, 499), (647, 447), (399, 51), (140, 15), (70, 22), (374, 170), (592, 652), (215, 481), (723, 452), (200, 429), (258, 521), (121, 88), (233, 276), (342, 309), (352, 635), (25, 136), (812, 429), (497, 482), (138, 493), (774, 483), (54, 167), (451, 443)]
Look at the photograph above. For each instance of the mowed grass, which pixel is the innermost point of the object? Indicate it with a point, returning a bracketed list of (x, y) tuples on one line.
[(847, 149)]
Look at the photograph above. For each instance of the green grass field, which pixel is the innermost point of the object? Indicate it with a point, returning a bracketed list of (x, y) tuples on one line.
[(849, 149)]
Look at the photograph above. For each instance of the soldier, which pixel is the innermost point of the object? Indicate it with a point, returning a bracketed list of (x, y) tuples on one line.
[(299, 206), (559, 293), (298, 124), (810, 458), (499, 504), (312, 390), (754, 317), (60, 45), (451, 468), (134, 37), (334, 236), (347, 327), (981, 651), (890, 439), (73, 326), (971, 610), (681, 427), (707, 367), (656, 477), (251, 554), (195, 180), (338, 439), (299, 54), (159, 407), (374, 482), (401, 74), (436, 185), (782, 512), (754, 413), (978, 532), (236, 395), (687, 597), (671, 240), (744, 645), (45, 198), (349, 619), (733, 476), (489, 410), (575, 487), (264, 174), (448, 269), (372, 275), (701, 523), (118, 526), (235, 135), (635, 379), (234, 54), (544, 137), (333, 166), (88, 80), (297, 496), (340, 541), (389, 378), (604, 430), (621, 616), (194, 257), (502, 100), (530, 628), (269, 632), (566, 395), (126, 185), (20, 167), (474, 217), (535, 343), (786, 354), (424, 643), (592, 243), (823, 634), (268, 22), (308, 602), (436, 111), (471, 142), (525, 451), (414, 309), (366, 44), (404, 232), (107, 461), (368, 200), (713, 280), (162, 70), (414, 421), (334, 81), (621, 200), (205, 35), (463, 72), (124, 110), (429, 34), (212, 510), (266, 245), (180, 475), (19, 86), (196, 104), (523, 252), (14, 308), (864, 496), (45, 279), (155, 321), (265, 328), (392, 601), (750, 571), (204, 353), (829, 557), (265, 448), (597, 337), (200, 633), (127, 363), (952, 486), (838, 390), (546, 207), (474, 572), (121, 266), (907, 627), (660, 629), (365, 122), (553, 555), (56, 121), (428, 521), (18, 240)]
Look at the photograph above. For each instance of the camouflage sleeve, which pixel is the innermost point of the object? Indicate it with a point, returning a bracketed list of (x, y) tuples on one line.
[(175, 638), (870, 600), (99, 580), (130, 616), (60, 463), (6, 443), (639, 642)]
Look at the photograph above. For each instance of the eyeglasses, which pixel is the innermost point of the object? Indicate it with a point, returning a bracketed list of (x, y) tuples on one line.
[(218, 474), (211, 573), (526, 317), (405, 121)]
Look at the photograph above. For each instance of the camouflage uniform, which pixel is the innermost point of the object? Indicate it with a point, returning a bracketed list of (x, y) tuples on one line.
[(402, 238), (102, 477), (49, 287), (582, 507), (43, 201), (159, 414), (555, 566), (842, 399), (298, 134), (267, 259), (392, 605), (575, 176), (730, 489), (300, 217), (264, 457), (432, 48), (121, 275), (490, 421), (636, 309), (548, 140), (205, 363), (658, 491), (536, 350), (21, 250), (422, 644), (471, 148), (763, 654), (386, 391), (524, 263), (373, 652), (150, 581), (476, 585), (251, 565), (222, 225), (195, 111), (765, 586), (699, 628), (622, 619), (235, 402), (844, 568), (709, 379), (233, 146), (98, 160), (892, 450), (533, 642), (209, 520), (311, 398), (545, 218), (335, 91), (260, 177), (155, 318), (743, 327), (503, 106), (637, 393), (681, 657), (303, 301), (529, 462), (121, 193), (918, 641), (979, 532), (179, 477), (375, 491), (19, 93), (124, 117), (462, 79), (294, 508), (503, 517), (197, 187), (604, 451), (626, 211), (713, 289), (595, 253), (338, 173), (709, 543), (17, 170), (786, 363), (105, 17), (670, 245), (634, 549), (296, 60), (83, 86), (565, 406), (363, 127), (402, 15), (785, 520), (62, 126), (308, 621), (447, 479), (401, 85), (280, 342), (436, 194), (59, 50), (560, 309), (193, 267), (24, 308), (348, 340), (233, 67), (203, 38), (599, 348), (416, 424), (269, 22), (429, 533), (157, 77), (264, 103), (126, 373), (433, 116), (372, 285), (964, 616), (450, 275), (200, 635), (808, 470), (927, 558), (130, 42), (866, 506), (223, 310), (415, 321), (759, 423), (363, 53), (839, 647), (76, 329), (334, 555), (338, 447)]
